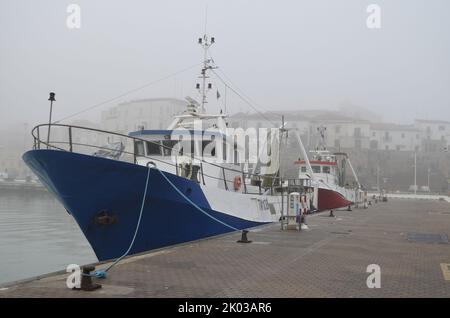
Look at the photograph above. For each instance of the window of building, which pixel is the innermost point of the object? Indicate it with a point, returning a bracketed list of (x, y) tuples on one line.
[(441, 127), (403, 135), (398, 148), (386, 147), (337, 129), (316, 169), (358, 144), (374, 134), (357, 132)]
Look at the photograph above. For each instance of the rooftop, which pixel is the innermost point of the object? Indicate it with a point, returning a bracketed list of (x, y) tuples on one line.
[(393, 127)]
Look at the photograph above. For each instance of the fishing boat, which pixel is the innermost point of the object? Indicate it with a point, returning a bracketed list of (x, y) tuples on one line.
[(327, 172), (142, 191)]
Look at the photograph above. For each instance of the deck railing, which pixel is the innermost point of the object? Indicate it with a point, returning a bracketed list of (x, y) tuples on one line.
[(79, 139)]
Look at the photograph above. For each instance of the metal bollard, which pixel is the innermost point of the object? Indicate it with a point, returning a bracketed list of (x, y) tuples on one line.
[(86, 279), (244, 237)]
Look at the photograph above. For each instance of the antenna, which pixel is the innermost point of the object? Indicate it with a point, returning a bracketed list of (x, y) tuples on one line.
[(321, 145), (208, 64), (206, 16)]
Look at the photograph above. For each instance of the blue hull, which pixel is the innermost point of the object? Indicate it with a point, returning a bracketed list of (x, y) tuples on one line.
[(90, 187)]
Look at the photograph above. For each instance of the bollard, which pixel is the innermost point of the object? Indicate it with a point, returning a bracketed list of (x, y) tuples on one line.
[(331, 213), (303, 225), (86, 279), (349, 208), (244, 237)]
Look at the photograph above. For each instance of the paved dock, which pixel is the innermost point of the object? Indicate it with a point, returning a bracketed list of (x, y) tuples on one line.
[(407, 239)]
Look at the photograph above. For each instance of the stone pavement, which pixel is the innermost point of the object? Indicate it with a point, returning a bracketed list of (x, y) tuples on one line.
[(407, 239)]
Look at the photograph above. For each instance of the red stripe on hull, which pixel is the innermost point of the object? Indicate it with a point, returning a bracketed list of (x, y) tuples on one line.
[(329, 200)]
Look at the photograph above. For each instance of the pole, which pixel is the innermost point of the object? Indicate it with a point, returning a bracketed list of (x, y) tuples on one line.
[(429, 178), (225, 99), (279, 169), (51, 99), (378, 179), (415, 173)]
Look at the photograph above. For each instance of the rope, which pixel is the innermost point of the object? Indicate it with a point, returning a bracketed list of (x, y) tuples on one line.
[(126, 93), (195, 205), (102, 273), (244, 99)]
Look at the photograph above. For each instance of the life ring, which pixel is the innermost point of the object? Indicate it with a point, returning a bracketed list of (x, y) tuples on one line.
[(237, 183)]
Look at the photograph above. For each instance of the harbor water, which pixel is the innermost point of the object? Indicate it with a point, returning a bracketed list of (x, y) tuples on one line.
[(37, 236)]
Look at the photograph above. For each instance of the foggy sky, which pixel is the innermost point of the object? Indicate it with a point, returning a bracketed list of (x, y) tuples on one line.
[(282, 54)]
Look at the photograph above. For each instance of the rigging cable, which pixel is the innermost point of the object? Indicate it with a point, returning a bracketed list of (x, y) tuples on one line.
[(127, 93), (242, 95)]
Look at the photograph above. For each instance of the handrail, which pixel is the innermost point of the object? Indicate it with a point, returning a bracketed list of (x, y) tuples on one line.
[(37, 145)]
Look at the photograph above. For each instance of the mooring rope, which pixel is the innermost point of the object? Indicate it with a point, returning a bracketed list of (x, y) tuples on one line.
[(102, 273), (195, 205)]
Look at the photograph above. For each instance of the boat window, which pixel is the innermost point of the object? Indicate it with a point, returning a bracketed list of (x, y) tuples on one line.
[(168, 146), (316, 169), (303, 169), (153, 148), (326, 169), (139, 148), (210, 151)]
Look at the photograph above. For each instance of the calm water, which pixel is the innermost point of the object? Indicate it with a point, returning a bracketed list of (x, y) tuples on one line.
[(37, 236)]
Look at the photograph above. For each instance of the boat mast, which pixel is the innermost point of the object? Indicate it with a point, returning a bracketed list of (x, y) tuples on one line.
[(321, 144), (205, 42)]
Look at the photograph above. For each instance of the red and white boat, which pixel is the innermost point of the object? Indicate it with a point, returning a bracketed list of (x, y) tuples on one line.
[(326, 171)]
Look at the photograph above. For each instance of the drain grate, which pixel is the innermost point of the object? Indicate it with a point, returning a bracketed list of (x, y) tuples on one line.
[(428, 238)]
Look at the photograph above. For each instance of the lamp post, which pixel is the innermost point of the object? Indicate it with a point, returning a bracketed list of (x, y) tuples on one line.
[(51, 99), (415, 172)]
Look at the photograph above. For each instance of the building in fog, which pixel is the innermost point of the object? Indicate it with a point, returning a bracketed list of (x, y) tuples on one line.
[(341, 132), (385, 136), (149, 113), (435, 134)]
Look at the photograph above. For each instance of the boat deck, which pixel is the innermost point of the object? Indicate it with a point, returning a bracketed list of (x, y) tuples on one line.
[(406, 238)]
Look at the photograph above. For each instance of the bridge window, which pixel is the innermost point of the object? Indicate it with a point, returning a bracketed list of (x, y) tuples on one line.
[(326, 169), (153, 148), (139, 148), (168, 146), (316, 169), (303, 169)]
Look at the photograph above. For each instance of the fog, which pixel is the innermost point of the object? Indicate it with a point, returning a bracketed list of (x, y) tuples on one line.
[(282, 54)]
